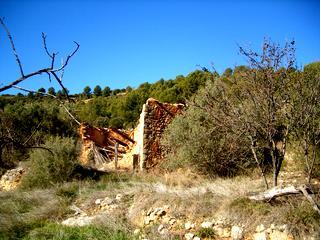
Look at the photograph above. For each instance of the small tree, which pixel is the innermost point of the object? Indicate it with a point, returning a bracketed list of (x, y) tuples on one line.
[(106, 92), (87, 92), (40, 91), (52, 91), (266, 109), (97, 91)]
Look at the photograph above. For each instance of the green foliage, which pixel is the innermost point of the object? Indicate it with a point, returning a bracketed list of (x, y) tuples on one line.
[(68, 191), (87, 92), (55, 163), (250, 208), (206, 233), (106, 92), (56, 231), (51, 91), (123, 108), (25, 122), (197, 139), (97, 91)]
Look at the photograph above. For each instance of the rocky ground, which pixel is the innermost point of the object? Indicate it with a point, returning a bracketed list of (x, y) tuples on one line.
[(180, 206)]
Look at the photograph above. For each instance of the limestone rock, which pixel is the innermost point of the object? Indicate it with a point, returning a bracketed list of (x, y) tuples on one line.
[(172, 221), (260, 236), (222, 231), (78, 221), (136, 231), (107, 201), (236, 233), (11, 179), (260, 228), (119, 197), (189, 225), (278, 235), (206, 224), (189, 236), (98, 201), (162, 230)]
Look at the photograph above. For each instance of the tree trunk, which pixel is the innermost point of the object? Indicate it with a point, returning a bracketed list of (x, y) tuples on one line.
[(259, 163)]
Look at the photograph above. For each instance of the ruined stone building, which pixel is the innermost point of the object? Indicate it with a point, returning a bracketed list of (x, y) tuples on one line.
[(107, 148)]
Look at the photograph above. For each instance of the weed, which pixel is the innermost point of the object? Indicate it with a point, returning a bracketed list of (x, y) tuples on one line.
[(249, 207), (206, 233), (68, 191), (56, 232)]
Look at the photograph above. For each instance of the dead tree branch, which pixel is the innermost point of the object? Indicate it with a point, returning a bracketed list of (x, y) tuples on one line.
[(277, 192), (50, 71)]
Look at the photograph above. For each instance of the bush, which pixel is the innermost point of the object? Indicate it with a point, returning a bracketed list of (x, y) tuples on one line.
[(200, 138), (55, 163)]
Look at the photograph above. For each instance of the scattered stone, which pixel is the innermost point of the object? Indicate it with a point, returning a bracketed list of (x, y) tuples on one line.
[(260, 228), (136, 231), (222, 232), (149, 211), (284, 227), (78, 221), (207, 224), (160, 212), (172, 221), (189, 225), (119, 197), (260, 236), (219, 222), (189, 236), (107, 201), (166, 207), (278, 235), (147, 221), (98, 201), (77, 211), (236, 233), (162, 230), (196, 238), (153, 216)]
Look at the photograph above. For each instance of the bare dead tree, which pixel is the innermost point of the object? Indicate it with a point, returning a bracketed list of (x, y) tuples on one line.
[(52, 71), (266, 93)]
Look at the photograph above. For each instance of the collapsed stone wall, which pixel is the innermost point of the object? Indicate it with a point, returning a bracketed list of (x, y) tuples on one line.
[(144, 151), (157, 116)]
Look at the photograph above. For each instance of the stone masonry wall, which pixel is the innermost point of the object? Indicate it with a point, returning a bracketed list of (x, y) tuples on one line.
[(157, 116)]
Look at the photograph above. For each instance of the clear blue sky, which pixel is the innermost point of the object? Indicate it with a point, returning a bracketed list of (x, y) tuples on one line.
[(130, 42)]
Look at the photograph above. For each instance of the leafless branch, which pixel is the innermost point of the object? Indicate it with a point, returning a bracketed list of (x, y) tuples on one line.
[(12, 46), (49, 70)]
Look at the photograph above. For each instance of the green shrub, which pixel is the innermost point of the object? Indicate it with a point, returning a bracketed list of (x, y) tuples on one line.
[(198, 139), (55, 163), (206, 233)]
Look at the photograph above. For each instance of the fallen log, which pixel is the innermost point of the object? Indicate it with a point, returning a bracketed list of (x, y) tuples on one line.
[(277, 192), (274, 192)]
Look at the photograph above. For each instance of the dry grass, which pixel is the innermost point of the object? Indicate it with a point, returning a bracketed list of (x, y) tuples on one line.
[(189, 196)]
